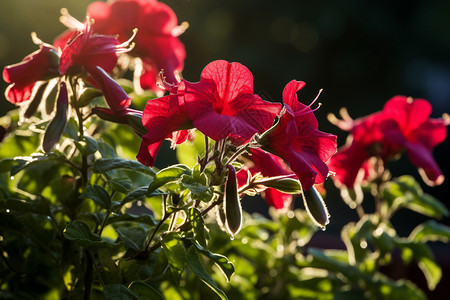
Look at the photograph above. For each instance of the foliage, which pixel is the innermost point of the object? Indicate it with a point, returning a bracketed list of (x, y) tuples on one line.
[(81, 218)]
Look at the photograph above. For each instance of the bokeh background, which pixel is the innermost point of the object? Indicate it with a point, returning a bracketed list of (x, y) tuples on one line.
[(360, 52)]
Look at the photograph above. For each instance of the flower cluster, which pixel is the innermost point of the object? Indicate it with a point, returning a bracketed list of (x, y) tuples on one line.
[(403, 124), (222, 106)]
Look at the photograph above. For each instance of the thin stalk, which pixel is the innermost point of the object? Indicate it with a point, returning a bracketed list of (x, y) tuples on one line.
[(88, 276), (160, 223), (236, 154)]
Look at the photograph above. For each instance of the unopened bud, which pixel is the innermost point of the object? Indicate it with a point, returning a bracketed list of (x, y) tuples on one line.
[(135, 122), (232, 203), (316, 208), (283, 184), (56, 127), (36, 99)]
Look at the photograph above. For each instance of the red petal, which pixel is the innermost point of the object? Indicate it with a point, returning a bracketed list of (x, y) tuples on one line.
[(231, 79)]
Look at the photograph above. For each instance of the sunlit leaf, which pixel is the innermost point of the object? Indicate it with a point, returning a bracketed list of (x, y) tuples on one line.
[(425, 260), (176, 253), (167, 175), (80, 233), (144, 291), (197, 267), (430, 231), (221, 261), (99, 195), (118, 292), (106, 164), (133, 236), (405, 192)]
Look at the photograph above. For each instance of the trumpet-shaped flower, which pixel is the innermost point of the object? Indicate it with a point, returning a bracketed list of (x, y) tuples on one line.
[(40, 65), (164, 118), (222, 103), (403, 124), (157, 42), (297, 140)]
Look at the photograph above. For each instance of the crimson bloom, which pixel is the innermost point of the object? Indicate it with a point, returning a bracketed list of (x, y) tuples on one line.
[(40, 65), (403, 124), (268, 165), (297, 140), (157, 42), (222, 103), (164, 118)]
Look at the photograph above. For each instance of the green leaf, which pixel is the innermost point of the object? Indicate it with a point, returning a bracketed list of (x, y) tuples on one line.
[(106, 164), (198, 225), (99, 195), (87, 145), (106, 150), (353, 235), (38, 206), (126, 217), (71, 129), (134, 237), (121, 185), (198, 190), (87, 95), (7, 164), (221, 261), (140, 194), (80, 233), (425, 260), (167, 175), (118, 292), (197, 267), (176, 254), (23, 162), (19, 145), (144, 291), (430, 231), (194, 186), (405, 192)]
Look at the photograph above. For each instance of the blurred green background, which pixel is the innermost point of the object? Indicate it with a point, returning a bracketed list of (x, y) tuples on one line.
[(360, 52)]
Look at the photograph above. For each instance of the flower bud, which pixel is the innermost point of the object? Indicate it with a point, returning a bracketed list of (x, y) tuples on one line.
[(284, 184), (232, 203), (316, 208), (36, 98), (56, 127)]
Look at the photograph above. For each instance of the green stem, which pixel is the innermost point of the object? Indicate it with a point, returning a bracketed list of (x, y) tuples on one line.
[(88, 276), (160, 223)]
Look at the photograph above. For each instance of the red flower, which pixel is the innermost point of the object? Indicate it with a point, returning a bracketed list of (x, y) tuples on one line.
[(163, 118), (83, 48), (223, 105), (42, 64), (403, 124), (157, 42), (297, 140), (268, 165)]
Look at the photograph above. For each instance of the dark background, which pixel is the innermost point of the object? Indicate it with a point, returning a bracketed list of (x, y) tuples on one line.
[(360, 52)]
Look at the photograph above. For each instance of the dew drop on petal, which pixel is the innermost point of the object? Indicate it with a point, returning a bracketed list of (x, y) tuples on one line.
[(232, 237)]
